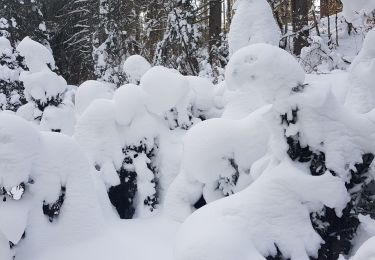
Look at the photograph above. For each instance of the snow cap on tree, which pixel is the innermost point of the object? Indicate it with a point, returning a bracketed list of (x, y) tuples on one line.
[(264, 69)]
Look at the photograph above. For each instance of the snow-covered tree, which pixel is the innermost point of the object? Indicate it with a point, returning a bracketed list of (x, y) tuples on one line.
[(11, 88), (180, 48), (115, 39), (45, 178), (19, 19), (44, 90)]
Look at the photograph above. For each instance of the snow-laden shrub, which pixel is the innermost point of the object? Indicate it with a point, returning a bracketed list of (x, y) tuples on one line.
[(270, 216), (89, 91), (45, 178), (253, 22), (11, 66), (249, 69), (135, 67), (361, 95), (318, 167), (218, 155), (37, 56), (45, 91), (134, 139), (318, 57)]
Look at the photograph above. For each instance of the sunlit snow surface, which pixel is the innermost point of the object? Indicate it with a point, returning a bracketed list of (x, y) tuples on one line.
[(137, 239)]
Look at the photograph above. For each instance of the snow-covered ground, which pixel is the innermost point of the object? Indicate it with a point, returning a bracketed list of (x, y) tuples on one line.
[(137, 239)]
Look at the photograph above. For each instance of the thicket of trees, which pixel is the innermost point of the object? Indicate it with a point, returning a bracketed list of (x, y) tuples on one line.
[(92, 38)]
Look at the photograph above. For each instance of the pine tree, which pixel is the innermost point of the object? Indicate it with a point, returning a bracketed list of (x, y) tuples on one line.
[(180, 45), (116, 38), (22, 18), (72, 28), (11, 88)]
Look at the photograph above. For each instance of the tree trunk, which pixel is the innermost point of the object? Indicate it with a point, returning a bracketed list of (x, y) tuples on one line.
[(214, 27), (300, 12)]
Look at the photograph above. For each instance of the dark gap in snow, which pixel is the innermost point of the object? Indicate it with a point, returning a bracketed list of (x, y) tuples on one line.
[(52, 211), (200, 203)]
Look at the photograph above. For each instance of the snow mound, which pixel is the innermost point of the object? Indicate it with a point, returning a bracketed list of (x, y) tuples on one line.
[(129, 103), (265, 69), (255, 221), (89, 91), (96, 131), (253, 22), (4, 44), (43, 86), (37, 56), (135, 67), (165, 87), (203, 93), (19, 144), (361, 96), (351, 7)]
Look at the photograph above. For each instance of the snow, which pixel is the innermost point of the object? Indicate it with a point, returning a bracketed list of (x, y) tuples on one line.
[(43, 86), (361, 96), (121, 239), (366, 251), (218, 154), (253, 22), (249, 70), (253, 226), (129, 103), (351, 7), (4, 44), (135, 67), (165, 87), (18, 149), (37, 56), (89, 91)]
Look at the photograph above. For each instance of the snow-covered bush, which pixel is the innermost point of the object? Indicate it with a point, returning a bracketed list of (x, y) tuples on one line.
[(45, 178), (218, 155), (11, 88), (248, 78), (37, 56), (135, 67), (45, 91), (318, 166), (318, 57), (361, 96), (169, 95), (89, 91), (253, 22)]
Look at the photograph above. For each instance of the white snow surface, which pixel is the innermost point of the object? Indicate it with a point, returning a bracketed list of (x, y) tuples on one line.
[(135, 67), (361, 96), (253, 22), (166, 88), (351, 7)]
